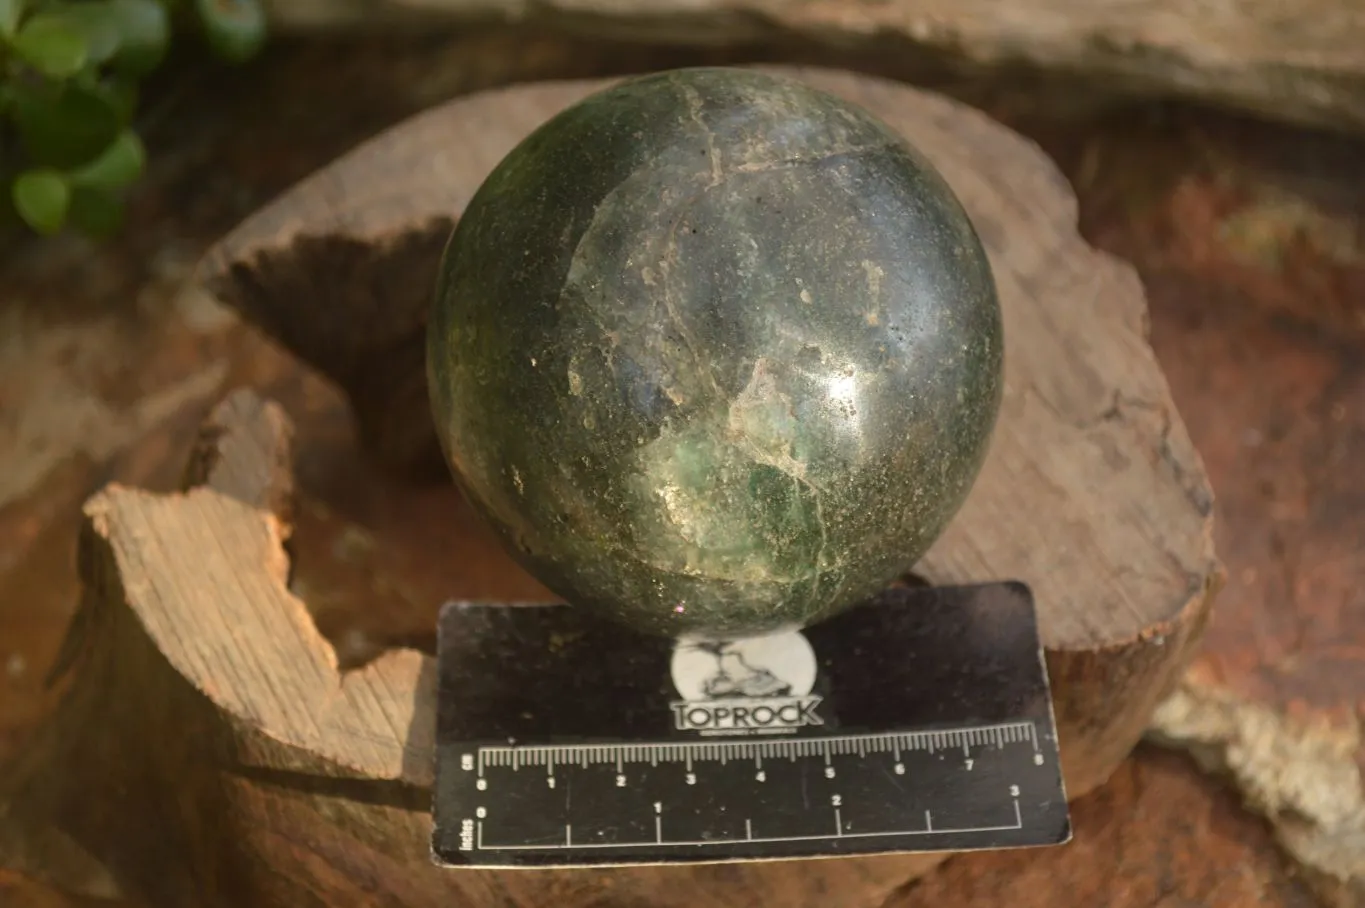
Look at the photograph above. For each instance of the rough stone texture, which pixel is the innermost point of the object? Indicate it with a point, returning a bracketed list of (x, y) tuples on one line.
[(1299, 62), (745, 367)]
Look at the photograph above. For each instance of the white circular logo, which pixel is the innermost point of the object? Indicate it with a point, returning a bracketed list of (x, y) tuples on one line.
[(774, 665)]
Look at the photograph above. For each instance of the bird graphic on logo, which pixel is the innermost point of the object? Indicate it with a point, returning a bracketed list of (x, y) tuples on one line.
[(734, 676), (750, 685)]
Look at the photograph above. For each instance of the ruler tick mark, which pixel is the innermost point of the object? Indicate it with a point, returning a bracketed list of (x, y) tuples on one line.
[(984, 742)]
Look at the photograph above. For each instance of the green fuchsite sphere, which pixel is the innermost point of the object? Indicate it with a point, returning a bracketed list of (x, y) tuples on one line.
[(715, 353)]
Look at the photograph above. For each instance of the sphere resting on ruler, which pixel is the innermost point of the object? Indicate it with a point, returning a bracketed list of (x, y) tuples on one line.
[(715, 353)]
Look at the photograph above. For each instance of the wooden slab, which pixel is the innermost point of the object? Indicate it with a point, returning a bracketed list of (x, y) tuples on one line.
[(1249, 238), (339, 269), (1298, 64), (273, 778)]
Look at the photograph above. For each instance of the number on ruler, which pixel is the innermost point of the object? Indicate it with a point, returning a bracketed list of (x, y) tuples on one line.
[(620, 781), (836, 801), (691, 778), (658, 806), (550, 781), (900, 769), (481, 784), (1037, 759), (969, 761), (829, 772), (761, 776), (466, 761), (1014, 791)]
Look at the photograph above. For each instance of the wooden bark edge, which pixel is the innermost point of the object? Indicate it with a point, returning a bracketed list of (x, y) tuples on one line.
[(256, 771)]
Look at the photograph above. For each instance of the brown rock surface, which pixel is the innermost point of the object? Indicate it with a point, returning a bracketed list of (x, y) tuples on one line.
[(1300, 62)]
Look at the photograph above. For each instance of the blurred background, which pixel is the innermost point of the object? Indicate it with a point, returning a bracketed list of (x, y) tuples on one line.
[(1221, 151)]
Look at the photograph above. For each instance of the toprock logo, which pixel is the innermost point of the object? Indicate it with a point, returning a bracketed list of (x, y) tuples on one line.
[(751, 686)]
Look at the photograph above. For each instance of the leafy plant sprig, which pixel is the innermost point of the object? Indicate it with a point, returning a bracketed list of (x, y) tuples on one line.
[(70, 71)]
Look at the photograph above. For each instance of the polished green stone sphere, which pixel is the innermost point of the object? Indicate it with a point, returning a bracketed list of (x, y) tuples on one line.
[(715, 353)]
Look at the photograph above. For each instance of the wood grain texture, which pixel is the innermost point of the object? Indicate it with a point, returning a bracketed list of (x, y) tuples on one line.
[(241, 765), (1300, 63), (1123, 566)]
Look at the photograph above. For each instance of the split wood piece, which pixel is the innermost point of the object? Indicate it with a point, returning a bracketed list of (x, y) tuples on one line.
[(243, 766), (1092, 492), (210, 753)]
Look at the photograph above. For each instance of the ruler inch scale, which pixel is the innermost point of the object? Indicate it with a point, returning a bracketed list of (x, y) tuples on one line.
[(921, 721)]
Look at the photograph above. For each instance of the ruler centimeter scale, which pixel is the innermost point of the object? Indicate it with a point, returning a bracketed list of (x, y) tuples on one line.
[(570, 769)]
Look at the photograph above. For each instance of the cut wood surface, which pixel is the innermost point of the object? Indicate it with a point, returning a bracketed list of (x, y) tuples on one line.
[(1092, 492), (1294, 62), (244, 765)]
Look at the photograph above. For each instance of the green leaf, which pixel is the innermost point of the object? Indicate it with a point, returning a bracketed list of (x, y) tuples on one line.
[(42, 197), (119, 166), (96, 22), (121, 95), (10, 11), (67, 126), (144, 29), (95, 213), (52, 44), (235, 29)]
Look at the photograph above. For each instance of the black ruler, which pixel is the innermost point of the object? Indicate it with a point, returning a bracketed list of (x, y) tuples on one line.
[(920, 721)]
